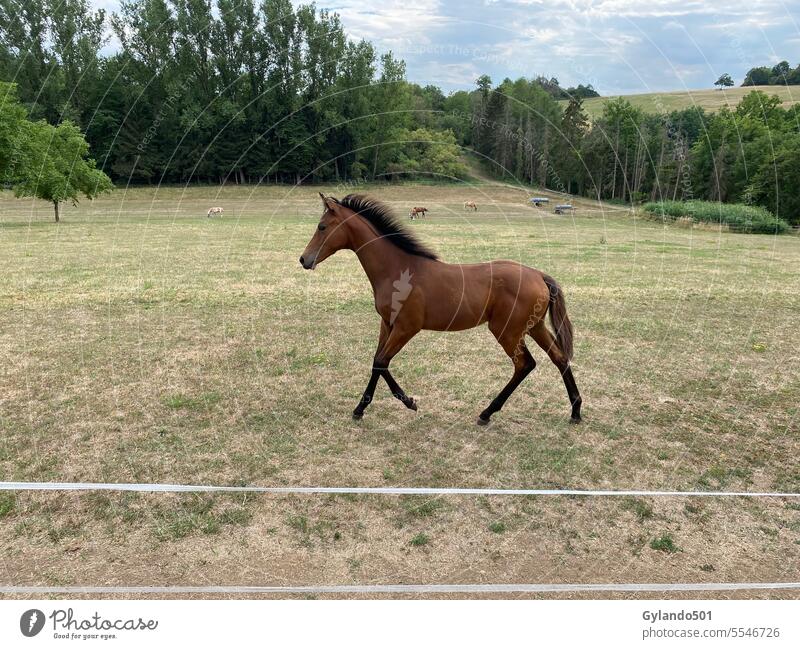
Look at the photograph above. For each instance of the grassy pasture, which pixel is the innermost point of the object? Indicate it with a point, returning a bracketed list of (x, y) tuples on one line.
[(709, 99), (143, 342)]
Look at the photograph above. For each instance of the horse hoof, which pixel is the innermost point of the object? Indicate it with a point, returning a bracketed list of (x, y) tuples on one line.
[(483, 422), (357, 415), (575, 420)]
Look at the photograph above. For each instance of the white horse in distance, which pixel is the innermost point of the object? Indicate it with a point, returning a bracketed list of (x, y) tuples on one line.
[(215, 210)]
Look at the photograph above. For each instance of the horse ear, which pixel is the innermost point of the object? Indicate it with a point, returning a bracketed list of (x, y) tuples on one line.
[(328, 201)]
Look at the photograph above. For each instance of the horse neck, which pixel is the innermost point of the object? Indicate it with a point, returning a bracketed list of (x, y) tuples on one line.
[(379, 258)]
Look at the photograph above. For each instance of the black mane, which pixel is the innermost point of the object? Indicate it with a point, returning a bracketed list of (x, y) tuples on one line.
[(385, 222)]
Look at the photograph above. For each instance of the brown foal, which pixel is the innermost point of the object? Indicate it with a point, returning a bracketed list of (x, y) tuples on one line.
[(414, 290)]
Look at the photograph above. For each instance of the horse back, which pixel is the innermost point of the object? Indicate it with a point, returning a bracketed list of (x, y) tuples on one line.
[(461, 296)]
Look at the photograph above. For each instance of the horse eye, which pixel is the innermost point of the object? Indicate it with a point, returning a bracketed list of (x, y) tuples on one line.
[(321, 227)]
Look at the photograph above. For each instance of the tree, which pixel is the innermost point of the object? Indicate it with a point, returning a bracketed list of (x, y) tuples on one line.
[(757, 77), (621, 124), (725, 81), (574, 125), (12, 117), (76, 37), (584, 92), (56, 165), (484, 83), (392, 103), (434, 153), (779, 73), (776, 181)]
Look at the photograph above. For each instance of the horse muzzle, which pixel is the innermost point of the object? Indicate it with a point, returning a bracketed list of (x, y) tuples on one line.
[(308, 262)]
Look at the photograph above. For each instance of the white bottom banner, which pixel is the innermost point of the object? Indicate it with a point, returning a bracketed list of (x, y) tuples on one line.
[(355, 624)]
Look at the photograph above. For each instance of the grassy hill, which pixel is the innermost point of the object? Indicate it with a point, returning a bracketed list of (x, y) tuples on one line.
[(711, 100)]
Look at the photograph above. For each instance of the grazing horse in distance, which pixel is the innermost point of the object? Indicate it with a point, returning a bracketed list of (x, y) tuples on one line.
[(414, 290), (418, 211), (215, 210), (470, 205)]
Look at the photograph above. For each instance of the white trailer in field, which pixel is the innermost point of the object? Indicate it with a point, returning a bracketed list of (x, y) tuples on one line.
[(538, 201)]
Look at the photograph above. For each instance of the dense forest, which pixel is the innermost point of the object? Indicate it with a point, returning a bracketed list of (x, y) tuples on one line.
[(242, 92)]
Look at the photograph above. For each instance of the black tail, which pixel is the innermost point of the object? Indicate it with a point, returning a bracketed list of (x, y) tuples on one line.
[(558, 316)]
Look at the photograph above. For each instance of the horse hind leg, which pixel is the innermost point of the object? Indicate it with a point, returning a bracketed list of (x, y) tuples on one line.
[(541, 334), (524, 364)]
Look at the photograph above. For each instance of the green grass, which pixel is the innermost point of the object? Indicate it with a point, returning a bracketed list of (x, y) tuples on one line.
[(710, 100), (178, 401), (420, 540), (721, 477), (665, 543), (640, 508), (196, 515), (421, 506), (299, 523), (739, 218), (7, 502)]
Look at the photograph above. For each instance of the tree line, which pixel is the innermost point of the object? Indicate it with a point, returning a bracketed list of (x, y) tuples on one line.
[(237, 91), (780, 74), (243, 91)]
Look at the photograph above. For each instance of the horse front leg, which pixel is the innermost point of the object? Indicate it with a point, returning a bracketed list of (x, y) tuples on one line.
[(391, 341), (369, 392), (366, 398)]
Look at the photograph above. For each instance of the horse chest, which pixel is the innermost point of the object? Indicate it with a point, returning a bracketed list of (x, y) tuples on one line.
[(383, 304)]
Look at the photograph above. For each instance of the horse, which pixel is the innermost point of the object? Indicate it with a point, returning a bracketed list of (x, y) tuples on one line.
[(416, 211), (470, 205), (414, 290), (215, 210)]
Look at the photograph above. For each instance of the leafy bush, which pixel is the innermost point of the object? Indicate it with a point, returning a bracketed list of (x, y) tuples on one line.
[(738, 217)]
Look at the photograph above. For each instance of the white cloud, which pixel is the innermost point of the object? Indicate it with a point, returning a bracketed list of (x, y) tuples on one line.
[(652, 8), (452, 74), (543, 34), (390, 23)]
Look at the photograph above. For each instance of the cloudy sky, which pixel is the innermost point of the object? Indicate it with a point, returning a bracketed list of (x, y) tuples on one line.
[(619, 46)]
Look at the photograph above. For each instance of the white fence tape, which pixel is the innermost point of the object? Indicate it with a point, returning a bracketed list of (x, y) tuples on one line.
[(401, 588), (390, 491)]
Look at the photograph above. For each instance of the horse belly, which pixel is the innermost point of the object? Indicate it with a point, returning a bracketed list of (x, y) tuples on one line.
[(456, 311)]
